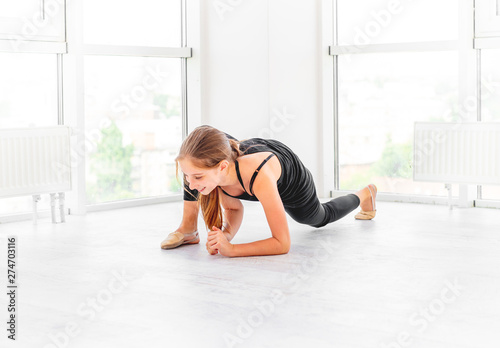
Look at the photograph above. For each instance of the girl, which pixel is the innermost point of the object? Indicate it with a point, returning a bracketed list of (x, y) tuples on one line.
[(221, 171)]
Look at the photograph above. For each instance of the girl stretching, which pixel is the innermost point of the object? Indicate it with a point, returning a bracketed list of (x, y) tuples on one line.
[(220, 171)]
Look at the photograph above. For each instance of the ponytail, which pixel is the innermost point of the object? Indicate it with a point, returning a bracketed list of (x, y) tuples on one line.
[(207, 147), (211, 209), (235, 149)]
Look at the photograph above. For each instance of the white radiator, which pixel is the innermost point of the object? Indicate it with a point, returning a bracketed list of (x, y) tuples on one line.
[(35, 161), (464, 153)]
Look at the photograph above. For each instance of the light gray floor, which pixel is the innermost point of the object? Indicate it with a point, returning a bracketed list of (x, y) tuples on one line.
[(416, 276)]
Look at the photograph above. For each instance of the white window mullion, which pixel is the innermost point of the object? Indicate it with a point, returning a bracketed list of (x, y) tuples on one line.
[(21, 46), (487, 42), (326, 182), (74, 105), (449, 45), (135, 51), (467, 83), (335, 87), (193, 73)]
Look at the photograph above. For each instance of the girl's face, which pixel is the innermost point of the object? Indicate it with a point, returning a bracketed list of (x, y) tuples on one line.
[(204, 180)]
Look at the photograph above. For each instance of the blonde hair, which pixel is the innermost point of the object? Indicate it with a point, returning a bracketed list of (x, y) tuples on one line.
[(206, 147)]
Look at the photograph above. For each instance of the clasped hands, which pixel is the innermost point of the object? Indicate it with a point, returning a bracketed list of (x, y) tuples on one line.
[(218, 243)]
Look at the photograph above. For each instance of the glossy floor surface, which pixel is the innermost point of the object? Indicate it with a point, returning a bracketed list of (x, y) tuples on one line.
[(416, 276)]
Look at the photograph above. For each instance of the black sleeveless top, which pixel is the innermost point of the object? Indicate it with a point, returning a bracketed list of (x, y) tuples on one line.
[(248, 196), (294, 184)]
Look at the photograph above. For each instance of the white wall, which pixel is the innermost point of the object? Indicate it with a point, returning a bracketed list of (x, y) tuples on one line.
[(261, 67)]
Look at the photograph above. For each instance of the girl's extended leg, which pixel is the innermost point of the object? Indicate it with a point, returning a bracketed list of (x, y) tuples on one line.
[(310, 211), (318, 214)]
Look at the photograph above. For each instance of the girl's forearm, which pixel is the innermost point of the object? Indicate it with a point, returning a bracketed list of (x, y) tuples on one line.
[(269, 246)]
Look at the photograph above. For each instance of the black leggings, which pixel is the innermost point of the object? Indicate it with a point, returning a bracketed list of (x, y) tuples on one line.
[(305, 207), (317, 214)]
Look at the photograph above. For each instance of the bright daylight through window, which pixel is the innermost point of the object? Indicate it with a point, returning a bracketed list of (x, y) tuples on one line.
[(381, 95), (133, 109), (133, 115)]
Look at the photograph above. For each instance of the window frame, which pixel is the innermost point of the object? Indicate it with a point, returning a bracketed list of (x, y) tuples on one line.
[(34, 23), (468, 85), (70, 90), (486, 36), (74, 94), (487, 18)]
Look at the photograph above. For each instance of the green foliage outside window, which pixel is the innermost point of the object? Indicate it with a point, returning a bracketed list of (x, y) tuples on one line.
[(169, 105), (111, 164), (395, 162)]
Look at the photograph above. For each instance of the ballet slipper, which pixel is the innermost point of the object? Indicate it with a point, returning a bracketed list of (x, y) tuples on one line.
[(368, 215), (176, 239), (365, 215)]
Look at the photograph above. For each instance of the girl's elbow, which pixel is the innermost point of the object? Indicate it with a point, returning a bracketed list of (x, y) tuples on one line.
[(285, 247)]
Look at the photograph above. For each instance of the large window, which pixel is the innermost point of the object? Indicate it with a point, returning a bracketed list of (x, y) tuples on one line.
[(133, 111), (381, 96), (133, 102), (126, 109), (397, 64)]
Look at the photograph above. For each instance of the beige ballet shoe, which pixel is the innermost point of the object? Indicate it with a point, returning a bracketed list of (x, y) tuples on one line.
[(368, 215), (176, 239)]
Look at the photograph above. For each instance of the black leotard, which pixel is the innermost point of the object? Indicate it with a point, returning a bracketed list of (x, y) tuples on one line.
[(295, 186)]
